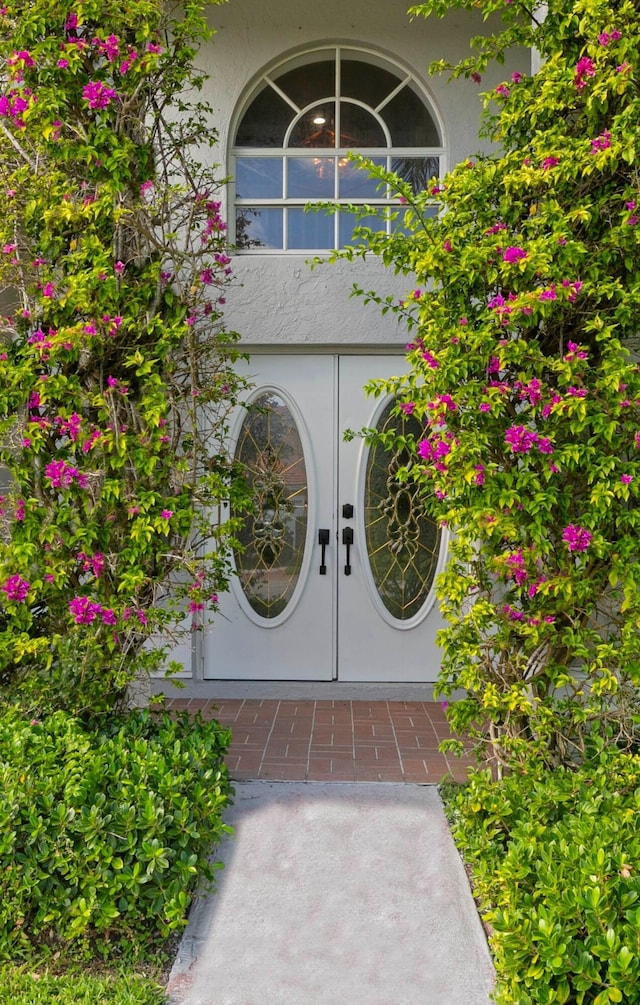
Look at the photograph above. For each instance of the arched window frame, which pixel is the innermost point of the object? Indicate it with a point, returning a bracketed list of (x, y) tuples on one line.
[(288, 208)]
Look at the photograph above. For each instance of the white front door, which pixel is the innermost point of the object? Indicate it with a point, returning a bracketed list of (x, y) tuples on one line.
[(336, 576)]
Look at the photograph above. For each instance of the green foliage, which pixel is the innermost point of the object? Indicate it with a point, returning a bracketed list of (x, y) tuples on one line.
[(524, 374), (103, 834), (116, 374), (554, 861), (23, 986)]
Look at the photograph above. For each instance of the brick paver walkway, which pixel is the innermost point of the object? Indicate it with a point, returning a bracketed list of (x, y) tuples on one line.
[(362, 741)]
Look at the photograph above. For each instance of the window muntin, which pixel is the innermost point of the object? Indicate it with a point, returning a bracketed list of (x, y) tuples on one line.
[(292, 141)]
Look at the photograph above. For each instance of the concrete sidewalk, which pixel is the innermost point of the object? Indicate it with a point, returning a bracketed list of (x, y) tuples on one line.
[(335, 894)]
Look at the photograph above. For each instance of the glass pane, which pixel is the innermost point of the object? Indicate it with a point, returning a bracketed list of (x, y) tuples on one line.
[(311, 82), (410, 123), (316, 128), (365, 82), (258, 227), (418, 171), (355, 183), (349, 221), (273, 537), (311, 177), (265, 121), (259, 178), (314, 229), (402, 543), (359, 128)]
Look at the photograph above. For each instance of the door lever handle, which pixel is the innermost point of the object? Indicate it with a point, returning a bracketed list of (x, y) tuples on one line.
[(323, 541), (347, 539)]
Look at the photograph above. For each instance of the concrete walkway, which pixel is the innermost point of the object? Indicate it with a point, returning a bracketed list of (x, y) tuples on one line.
[(335, 894)]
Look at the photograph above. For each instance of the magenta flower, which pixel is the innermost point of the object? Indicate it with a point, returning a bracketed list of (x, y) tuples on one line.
[(601, 142), (576, 538), (16, 588), (520, 439), (550, 162), (513, 254), (166, 514), (626, 479), (84, 610), (574, 352), (585, 68), (109, 48), (62, 475), (98, 95)]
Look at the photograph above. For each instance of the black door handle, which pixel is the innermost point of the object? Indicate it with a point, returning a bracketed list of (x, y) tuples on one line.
[(323, 541), (347, 539)]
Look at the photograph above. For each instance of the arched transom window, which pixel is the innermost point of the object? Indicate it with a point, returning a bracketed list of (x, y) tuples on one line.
[(292, 140)]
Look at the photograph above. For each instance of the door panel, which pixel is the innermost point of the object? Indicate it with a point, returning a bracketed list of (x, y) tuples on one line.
[(387, 615), (278, 620), (371, 614)]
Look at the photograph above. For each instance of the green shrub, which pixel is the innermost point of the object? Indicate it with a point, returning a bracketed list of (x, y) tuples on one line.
[(21, 986), (104, 834), (555, 859)]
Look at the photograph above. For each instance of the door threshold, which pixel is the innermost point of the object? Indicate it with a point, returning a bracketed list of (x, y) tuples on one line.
[(292, 690)]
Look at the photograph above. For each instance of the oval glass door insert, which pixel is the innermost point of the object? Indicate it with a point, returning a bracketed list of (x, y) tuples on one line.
[(273, 537), (403, 544)]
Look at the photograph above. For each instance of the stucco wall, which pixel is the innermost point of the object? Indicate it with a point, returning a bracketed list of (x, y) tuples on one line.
[(281, 301)]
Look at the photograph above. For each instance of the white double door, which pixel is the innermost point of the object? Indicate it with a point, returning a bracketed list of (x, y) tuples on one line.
[(336, 577)]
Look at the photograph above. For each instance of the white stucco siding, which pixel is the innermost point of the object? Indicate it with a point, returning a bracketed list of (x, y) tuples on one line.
[(281, 301)]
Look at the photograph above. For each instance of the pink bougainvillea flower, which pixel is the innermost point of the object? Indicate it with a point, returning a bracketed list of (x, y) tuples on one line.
[(513, 253), (585, 68), (166, 514), (576, 538), (601, 142), (98, 95), (110, 47), (626, 479), (62, 475), (16, 588), (84, 610), (520, 439)]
